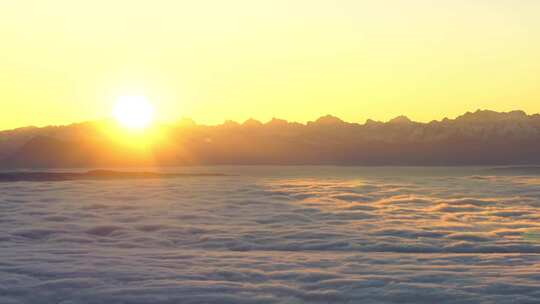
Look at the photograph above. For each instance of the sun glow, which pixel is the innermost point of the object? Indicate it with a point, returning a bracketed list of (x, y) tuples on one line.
[(133, 112)]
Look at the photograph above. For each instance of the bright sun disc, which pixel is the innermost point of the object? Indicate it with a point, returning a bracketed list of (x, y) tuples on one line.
[(133, 112)]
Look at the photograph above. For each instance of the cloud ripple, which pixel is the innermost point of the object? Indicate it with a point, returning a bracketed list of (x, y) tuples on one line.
[(446, 239)]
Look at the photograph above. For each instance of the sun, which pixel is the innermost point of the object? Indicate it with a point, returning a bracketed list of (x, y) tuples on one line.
[(133, 112)]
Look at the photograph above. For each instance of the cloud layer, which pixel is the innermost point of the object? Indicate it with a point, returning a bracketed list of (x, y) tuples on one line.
[(287, 238)]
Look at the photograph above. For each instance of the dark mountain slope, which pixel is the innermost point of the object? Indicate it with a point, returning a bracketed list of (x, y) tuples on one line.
[(479, 138)]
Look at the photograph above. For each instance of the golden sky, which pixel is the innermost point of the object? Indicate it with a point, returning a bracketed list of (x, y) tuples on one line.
[(65, 61)]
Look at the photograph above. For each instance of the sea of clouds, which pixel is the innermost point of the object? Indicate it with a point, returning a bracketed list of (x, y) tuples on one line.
[(279, 235)]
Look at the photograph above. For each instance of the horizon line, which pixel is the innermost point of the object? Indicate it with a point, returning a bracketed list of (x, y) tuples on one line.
[(251, 119)]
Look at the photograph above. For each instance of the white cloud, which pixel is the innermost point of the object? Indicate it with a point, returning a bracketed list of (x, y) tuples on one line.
[(271, 240)]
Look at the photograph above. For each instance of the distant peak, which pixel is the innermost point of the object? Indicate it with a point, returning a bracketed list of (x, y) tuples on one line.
[(400, 119), (518, 114), (329, 120), (252, 122), (489, 115), (371, 122), (277, 122)]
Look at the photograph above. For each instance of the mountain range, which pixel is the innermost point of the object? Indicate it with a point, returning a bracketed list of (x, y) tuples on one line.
[(483, 137)]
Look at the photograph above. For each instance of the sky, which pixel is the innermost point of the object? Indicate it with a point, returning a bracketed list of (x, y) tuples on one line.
[(64, 61)]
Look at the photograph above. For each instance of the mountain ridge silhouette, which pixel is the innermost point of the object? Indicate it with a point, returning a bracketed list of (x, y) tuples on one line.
[(482, 137)]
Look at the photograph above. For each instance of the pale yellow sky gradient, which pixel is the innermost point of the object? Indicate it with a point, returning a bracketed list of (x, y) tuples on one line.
[(65, 61)]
